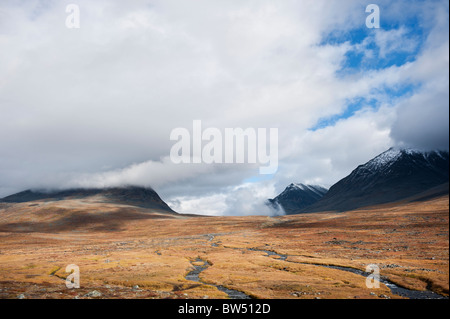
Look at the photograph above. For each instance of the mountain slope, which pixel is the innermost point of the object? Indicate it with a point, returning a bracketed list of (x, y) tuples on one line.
[(85, 210), (391, 176), (131, 195), (297, 196)]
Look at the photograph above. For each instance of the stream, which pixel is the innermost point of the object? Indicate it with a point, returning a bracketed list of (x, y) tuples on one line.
[(194, 275), (396, 290), (235, 294)]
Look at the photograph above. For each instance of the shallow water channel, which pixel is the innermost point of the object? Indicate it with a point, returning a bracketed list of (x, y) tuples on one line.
[(396, 290), (235, 294), (194, 276)]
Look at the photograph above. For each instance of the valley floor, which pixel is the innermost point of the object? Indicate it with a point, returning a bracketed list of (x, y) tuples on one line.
[(153, 256)]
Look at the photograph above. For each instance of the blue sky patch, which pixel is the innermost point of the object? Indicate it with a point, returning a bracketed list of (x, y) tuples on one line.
[(395, 43), (351, 109)]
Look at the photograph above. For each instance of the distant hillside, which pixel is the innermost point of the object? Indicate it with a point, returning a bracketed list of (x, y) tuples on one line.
[(298, 196), (134, 196), (391, 176)]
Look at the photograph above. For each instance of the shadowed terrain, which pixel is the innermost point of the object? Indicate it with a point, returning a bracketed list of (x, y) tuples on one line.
[(131, 195)]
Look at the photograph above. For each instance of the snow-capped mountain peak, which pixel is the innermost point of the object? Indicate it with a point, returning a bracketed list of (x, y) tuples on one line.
[(393, 175), (298, 195), (386, 159), (313, 188)]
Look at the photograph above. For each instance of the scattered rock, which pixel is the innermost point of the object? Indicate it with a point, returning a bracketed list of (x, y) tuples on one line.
[(135, 287), (391, 266), (21, 296), (93, 294)]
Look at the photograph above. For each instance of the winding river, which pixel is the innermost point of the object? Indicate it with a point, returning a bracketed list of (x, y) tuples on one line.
[(235, 294), (396, 290), (194, 275)]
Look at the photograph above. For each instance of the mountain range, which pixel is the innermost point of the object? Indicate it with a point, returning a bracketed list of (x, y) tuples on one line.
[(394, 175)]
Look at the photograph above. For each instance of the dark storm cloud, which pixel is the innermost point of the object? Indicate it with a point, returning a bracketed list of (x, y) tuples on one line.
[(422, 122)]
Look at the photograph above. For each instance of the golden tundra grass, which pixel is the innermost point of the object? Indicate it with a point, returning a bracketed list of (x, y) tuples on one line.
[(119, 247)]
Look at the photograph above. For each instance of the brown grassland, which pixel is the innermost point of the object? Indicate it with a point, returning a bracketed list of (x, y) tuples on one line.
[(118, 247)]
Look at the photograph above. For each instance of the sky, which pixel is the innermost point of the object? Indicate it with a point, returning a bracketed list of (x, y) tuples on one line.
[(94, 106)]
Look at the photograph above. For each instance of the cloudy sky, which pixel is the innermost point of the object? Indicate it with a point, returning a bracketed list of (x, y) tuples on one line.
[(94, 106)]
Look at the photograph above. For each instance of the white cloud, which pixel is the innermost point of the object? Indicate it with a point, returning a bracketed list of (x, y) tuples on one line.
[(243, 200), (326, 155), (396, 40)]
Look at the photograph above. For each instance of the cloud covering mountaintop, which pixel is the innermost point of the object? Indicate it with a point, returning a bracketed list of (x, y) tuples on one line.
[(95, 106)]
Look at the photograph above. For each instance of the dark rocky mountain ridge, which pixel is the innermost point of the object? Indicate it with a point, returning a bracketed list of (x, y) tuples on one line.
[(391, 176), (297, 196), (130, 195)]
